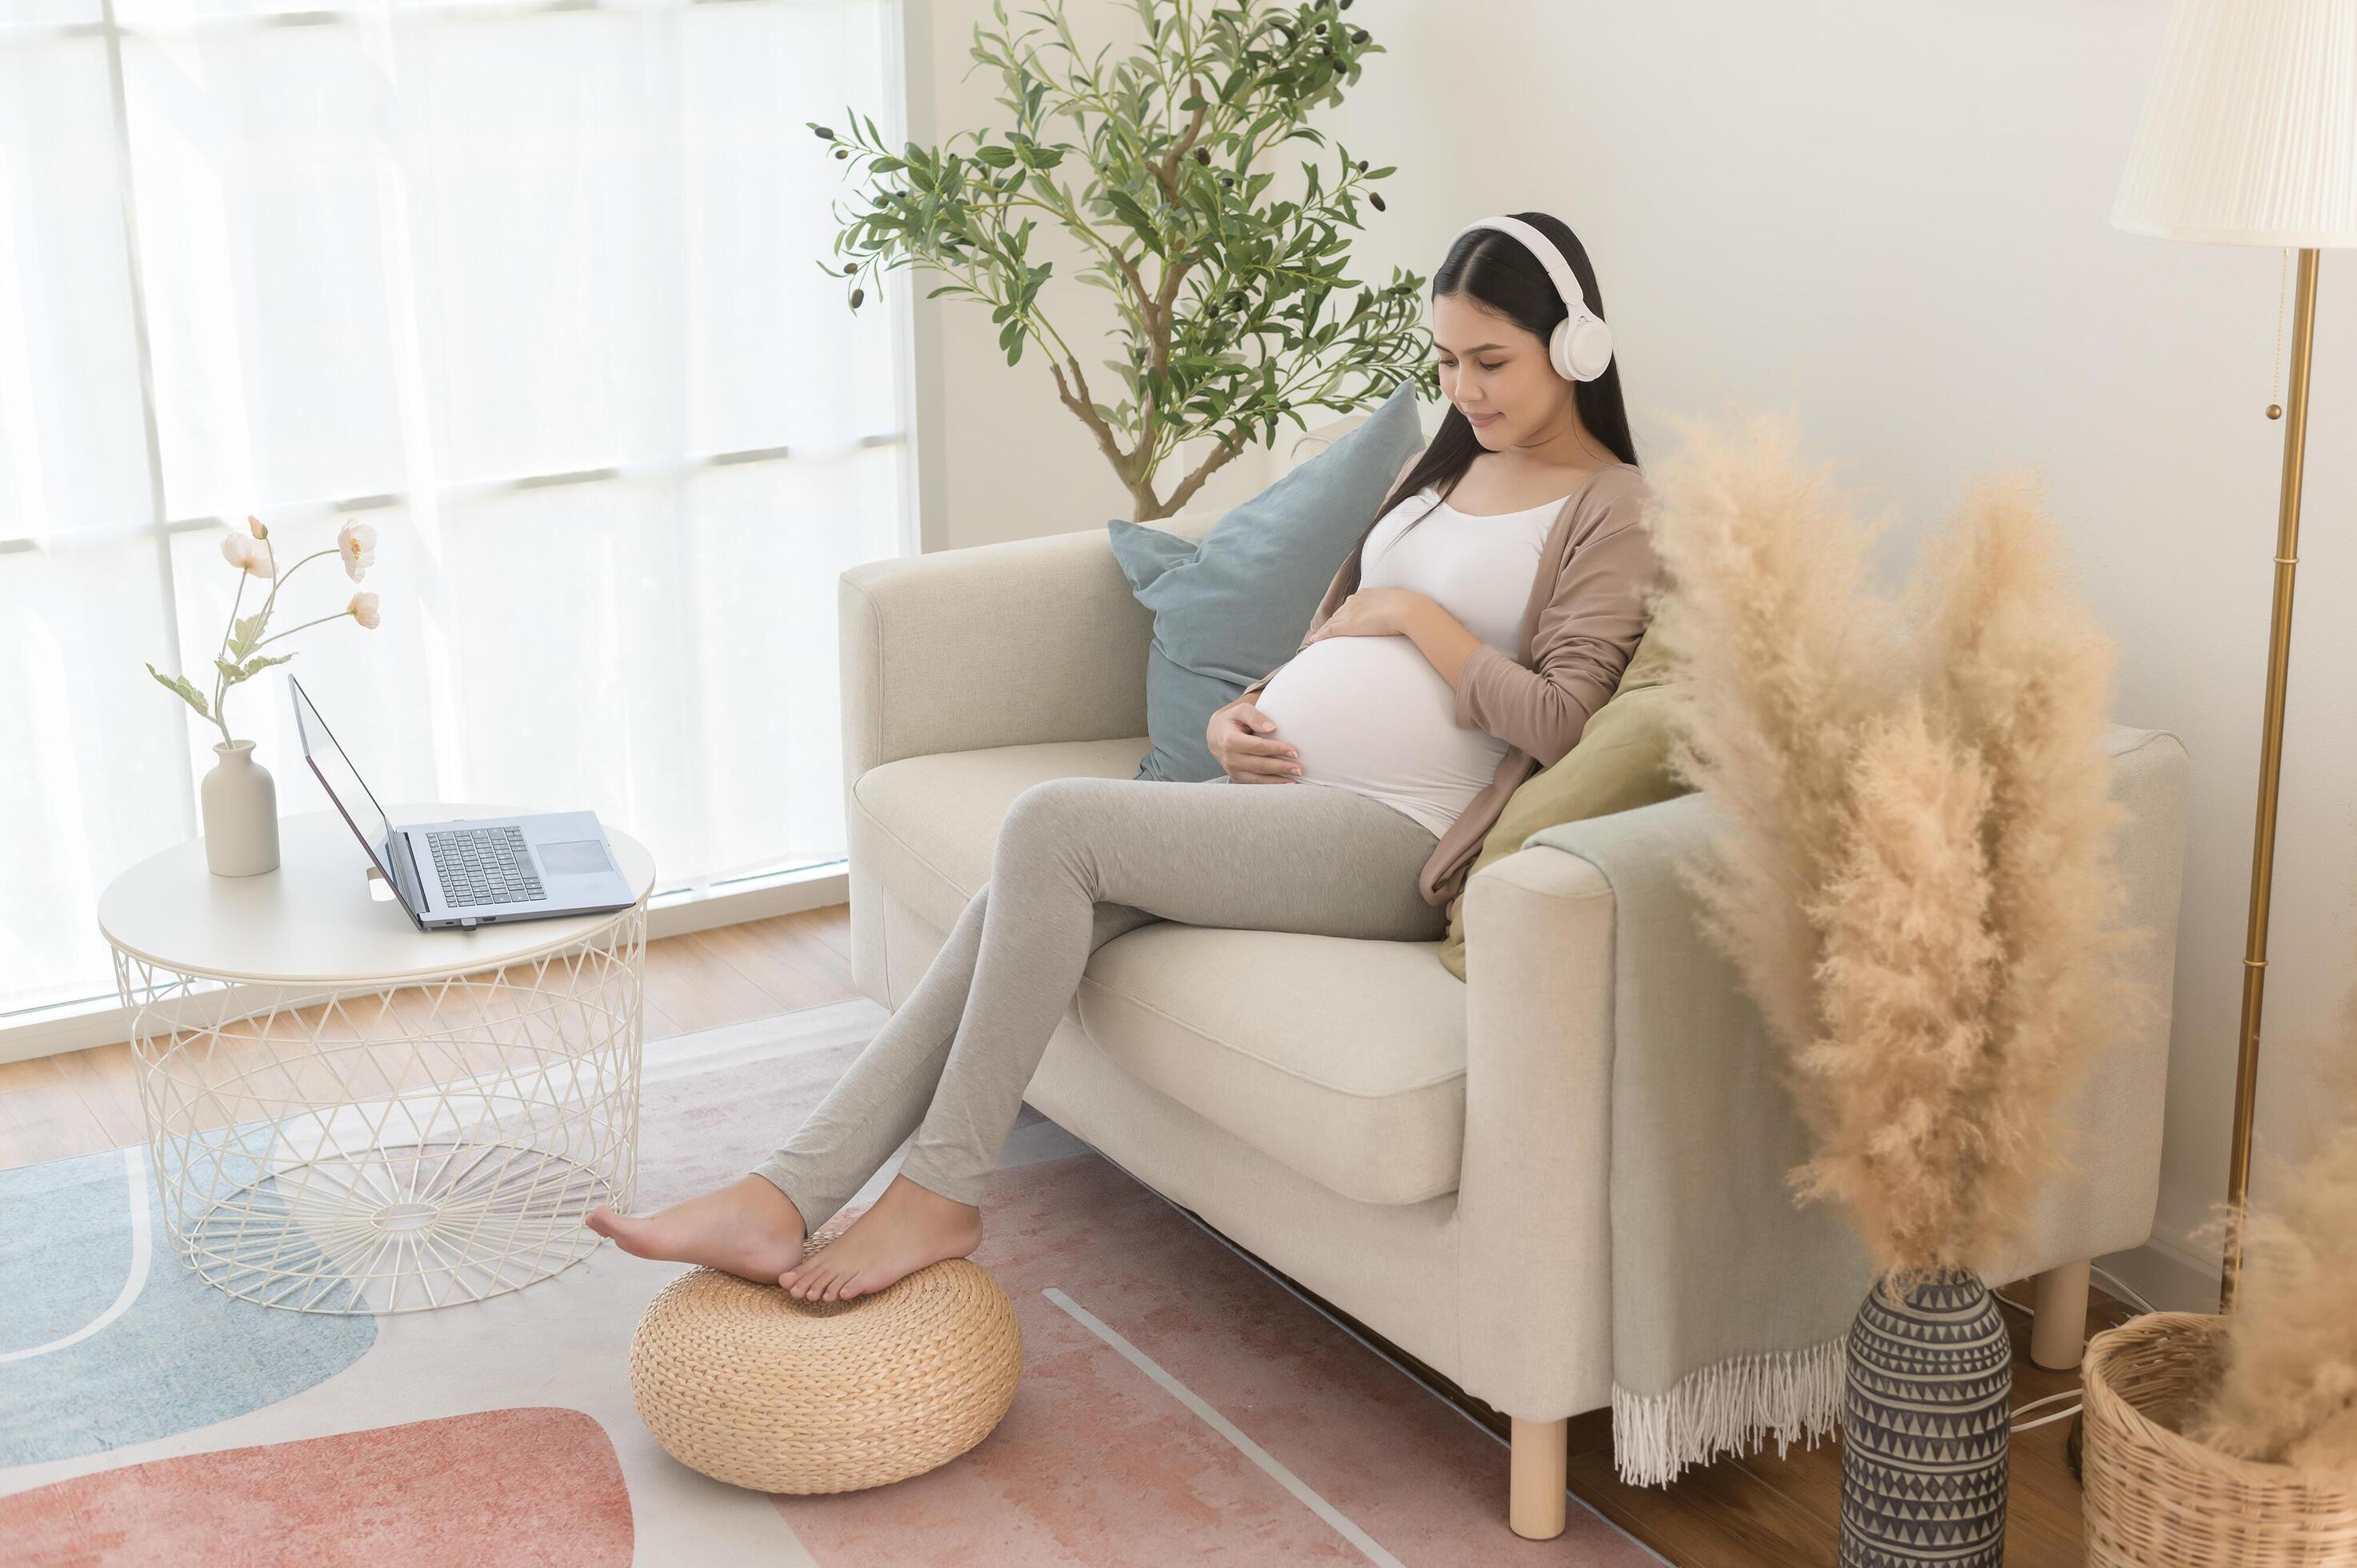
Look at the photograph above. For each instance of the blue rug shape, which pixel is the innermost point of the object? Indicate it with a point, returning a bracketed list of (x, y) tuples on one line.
[(180, 1356)]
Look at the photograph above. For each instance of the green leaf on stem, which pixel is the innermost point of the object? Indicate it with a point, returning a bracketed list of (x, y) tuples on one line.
[(178, 686), (244, 633), (234, 674)]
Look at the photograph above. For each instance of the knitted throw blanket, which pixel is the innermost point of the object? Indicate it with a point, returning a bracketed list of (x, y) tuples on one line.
[(1731, 1302)]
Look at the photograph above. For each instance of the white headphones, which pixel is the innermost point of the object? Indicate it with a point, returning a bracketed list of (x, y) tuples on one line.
[(1581, 346)]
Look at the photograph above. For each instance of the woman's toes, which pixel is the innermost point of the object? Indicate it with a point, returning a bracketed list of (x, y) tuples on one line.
[(625, 1232), (614, 1227)]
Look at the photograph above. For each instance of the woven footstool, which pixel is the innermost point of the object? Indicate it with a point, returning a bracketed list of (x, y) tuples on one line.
[(747, 1385)]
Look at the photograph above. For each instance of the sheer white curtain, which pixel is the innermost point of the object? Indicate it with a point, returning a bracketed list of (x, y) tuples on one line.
[(534, 291)]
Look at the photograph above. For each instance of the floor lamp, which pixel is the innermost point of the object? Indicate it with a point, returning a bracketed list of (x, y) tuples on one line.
[(2249, 138)]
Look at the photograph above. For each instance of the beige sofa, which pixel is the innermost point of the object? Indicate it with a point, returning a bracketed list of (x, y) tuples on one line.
[(1346, 1110)]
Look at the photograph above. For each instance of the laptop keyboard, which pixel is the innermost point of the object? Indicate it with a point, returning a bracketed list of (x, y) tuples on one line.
[(484, 865)]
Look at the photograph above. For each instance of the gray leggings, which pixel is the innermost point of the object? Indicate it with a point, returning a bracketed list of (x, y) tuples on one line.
[(1078, 862)]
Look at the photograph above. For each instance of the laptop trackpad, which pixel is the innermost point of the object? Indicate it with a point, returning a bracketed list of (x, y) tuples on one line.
[(575, 857)]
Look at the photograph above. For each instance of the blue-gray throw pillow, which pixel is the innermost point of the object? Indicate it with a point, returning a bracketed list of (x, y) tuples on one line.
[(1232, 606)]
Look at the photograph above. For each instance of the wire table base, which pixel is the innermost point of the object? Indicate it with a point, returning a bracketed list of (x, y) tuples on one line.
[(440, 1223), (399, 1148)]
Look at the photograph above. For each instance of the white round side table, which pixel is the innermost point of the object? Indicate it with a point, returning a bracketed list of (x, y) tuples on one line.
[(348, 1114)]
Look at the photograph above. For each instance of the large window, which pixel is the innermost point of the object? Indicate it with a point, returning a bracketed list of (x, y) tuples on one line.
[(532, 289)]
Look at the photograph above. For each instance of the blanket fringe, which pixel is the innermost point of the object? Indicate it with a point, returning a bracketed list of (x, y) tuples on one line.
[(1728, 1408)]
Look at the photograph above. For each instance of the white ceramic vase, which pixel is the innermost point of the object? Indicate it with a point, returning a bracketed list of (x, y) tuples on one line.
[(241, 813)]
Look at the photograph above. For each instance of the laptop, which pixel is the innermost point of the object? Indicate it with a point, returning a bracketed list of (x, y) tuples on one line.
[(457, 875)]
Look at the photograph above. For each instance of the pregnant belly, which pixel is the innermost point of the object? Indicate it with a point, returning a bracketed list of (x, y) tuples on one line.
[(1371, 713)]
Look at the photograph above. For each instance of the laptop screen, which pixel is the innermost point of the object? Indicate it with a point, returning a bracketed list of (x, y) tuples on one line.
[(343, 782)]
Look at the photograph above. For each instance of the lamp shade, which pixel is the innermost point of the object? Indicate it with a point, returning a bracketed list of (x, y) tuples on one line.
[(2249, 133)]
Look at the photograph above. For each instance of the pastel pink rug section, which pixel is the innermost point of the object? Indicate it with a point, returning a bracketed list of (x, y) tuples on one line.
[(518, 1488), (1098, 1464)]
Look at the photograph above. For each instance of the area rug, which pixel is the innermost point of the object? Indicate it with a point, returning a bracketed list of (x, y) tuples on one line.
[(1176, 1402)]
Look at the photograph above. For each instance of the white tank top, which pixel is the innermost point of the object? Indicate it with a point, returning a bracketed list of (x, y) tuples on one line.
[(1371, 713)]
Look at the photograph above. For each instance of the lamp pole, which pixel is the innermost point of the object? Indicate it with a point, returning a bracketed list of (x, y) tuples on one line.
[(2263, 848)]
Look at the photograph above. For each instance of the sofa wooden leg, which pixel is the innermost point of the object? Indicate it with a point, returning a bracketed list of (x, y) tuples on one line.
[(2058, 1334), (1534, 1500)]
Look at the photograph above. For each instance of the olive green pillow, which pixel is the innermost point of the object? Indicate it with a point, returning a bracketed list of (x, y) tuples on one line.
[(1620, 764)]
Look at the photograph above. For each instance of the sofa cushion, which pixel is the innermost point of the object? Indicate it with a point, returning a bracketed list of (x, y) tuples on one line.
[(1620, 763), (1344, 1060), (1341, 1059), (1231, 605)]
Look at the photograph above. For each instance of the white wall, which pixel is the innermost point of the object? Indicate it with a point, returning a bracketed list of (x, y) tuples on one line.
[(1893, 220)]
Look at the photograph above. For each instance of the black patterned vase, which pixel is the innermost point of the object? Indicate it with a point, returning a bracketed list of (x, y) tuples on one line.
[(1925, 1427)]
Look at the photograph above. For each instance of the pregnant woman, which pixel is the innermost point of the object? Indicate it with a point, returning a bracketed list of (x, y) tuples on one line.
[(1487, 611)]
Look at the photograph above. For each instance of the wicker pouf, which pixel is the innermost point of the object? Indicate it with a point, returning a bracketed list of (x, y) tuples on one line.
[(2155, 1499), (749, 1386)]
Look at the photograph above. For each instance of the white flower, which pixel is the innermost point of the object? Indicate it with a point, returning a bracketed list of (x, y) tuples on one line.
[(253, 526), (251, 555), (356, 543), (363, 609)]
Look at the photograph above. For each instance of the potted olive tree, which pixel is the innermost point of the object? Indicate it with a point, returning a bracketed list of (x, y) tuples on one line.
[(1235, 301)]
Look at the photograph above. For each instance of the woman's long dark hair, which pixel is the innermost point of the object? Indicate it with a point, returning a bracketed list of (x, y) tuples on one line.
[(1495, 268)]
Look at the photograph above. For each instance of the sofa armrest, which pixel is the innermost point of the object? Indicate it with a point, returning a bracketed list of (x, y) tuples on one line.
[(1550, 1086), (1533, 1202), (1009, 644)]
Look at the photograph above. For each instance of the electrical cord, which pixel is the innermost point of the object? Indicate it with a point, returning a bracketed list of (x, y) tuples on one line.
[(2020, 1411), (2050, 1399), (2045, 1420), (2112, 1283)]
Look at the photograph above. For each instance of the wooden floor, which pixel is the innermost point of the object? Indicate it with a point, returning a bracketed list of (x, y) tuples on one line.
[(1756, 1512)]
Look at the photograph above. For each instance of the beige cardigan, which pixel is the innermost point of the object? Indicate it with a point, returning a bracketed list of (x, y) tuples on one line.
[(1589, 606)]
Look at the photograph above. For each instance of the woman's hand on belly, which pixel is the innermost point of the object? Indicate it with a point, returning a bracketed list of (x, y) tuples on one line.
[(1372, 612), (1439, 637), (1243, 742)]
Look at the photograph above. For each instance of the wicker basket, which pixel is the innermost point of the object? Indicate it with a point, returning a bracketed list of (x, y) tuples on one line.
[(2155, 1499), (752, 1387)]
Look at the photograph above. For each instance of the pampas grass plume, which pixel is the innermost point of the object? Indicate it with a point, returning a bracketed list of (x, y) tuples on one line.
[(1907, 970), (2286, 1385), (1916, 882)]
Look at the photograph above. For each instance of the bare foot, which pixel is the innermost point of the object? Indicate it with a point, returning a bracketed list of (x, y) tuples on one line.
[(748, 1228), (905, 1230)]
